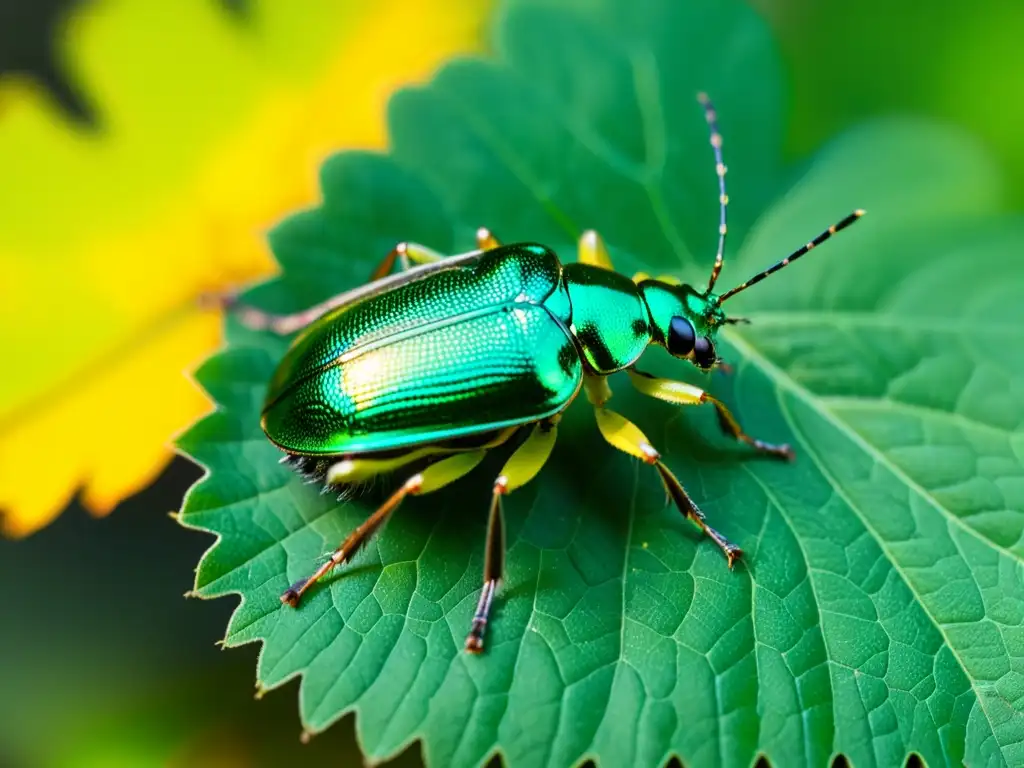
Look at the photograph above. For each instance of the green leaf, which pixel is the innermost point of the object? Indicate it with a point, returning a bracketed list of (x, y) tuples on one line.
[(879, 609)]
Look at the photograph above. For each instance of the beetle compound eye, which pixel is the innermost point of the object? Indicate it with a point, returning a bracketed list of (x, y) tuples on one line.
[(704, 353), (681, 337)]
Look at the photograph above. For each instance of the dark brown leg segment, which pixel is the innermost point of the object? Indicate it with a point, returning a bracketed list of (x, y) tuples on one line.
[(435, 476), (521, 467)]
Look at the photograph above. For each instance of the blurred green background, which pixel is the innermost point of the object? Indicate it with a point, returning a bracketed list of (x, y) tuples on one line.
[(103, 661)]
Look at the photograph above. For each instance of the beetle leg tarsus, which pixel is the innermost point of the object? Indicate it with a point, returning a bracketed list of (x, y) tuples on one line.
[(256, 319), (430, 479), (731, 426), (292, 595), (724, 367), (251, 317), (475, 638), (214, 300), (681, 393), (352, 544), (627, 437), (522, 466), (494, 567), (687, 506)]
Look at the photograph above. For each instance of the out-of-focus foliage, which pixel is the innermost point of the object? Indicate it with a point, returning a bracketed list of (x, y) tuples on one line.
[(878, 610), (957, 61), (209, 129)]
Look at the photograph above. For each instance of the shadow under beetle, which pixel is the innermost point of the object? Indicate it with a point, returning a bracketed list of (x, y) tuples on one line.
[(433, 366)]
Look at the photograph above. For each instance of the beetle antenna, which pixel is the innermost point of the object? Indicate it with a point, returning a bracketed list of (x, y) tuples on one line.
[(723, 200), (795, 255)]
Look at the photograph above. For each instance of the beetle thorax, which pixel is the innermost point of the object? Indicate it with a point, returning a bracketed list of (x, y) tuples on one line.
[(610, 322)]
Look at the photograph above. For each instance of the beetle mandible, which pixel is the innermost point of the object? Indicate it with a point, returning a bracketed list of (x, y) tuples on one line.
[(429, 368)]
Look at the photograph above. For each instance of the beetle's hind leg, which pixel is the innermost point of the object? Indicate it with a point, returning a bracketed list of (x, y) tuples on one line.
[(406, 254), (681, 393), (432, 478), (521, 467)]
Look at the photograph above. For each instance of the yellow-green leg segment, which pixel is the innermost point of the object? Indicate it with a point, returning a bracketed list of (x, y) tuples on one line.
[(485, 240), (406, 254), (432, 478), (521, 467), (627, 437), (681, 393), (593, 251)]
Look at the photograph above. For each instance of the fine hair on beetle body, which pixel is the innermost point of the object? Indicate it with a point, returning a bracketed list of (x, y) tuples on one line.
[(425, 369)]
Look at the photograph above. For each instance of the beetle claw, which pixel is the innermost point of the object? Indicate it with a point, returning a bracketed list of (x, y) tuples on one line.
[(732, 554), (293, 594)]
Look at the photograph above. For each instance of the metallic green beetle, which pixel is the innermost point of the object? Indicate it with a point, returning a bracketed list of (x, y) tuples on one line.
[(433, 366)]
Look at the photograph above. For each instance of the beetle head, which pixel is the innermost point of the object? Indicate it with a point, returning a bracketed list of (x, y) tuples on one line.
[(683, 321)]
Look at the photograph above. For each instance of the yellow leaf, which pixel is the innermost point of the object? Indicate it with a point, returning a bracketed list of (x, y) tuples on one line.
[(210, 130)]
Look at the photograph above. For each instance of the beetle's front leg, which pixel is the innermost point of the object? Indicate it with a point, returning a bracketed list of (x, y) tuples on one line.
[(627, 437), (681, 393)]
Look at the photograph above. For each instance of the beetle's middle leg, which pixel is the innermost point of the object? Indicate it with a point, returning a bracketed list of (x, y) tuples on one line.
[(521, 467), (681, 393), (406, 254), (627, 437), (432, 478), (593, 251)]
